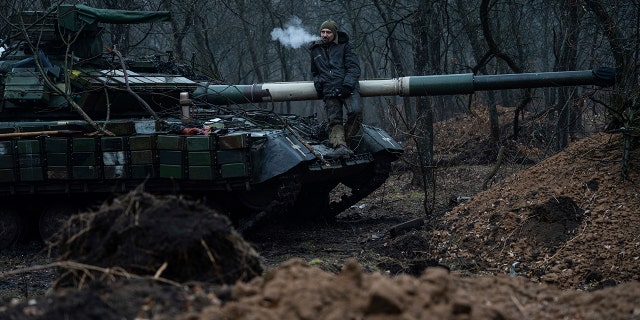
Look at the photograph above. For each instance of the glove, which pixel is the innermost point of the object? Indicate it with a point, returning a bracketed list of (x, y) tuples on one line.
[(345, 91)]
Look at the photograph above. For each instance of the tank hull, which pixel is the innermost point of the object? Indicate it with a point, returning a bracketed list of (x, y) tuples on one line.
[(246, 173)]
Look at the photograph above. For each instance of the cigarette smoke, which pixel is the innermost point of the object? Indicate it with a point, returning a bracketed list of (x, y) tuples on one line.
[(293, 35)]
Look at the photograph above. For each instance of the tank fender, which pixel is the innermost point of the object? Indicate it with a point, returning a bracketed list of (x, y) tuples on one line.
[(374, 140), (276, 153)]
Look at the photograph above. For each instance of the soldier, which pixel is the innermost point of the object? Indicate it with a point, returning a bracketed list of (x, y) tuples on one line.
[(336, 70)]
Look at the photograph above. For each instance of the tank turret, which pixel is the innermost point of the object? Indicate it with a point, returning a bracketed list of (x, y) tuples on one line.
[(78, 124)]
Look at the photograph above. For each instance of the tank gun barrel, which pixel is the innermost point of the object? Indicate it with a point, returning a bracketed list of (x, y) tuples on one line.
[(432, 85)]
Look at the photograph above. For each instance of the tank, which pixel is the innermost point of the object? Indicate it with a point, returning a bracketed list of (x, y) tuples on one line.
[(75, 129)]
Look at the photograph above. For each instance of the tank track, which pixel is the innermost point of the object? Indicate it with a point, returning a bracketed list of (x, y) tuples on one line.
[(290, 185), (288, 189), (363, 185)]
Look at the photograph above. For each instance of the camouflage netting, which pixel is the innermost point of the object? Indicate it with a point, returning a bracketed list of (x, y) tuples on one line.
[(144, 235)]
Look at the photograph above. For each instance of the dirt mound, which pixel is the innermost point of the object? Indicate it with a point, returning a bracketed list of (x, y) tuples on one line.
[(556, 241), (296, 290), (147, 235), (570, 220)]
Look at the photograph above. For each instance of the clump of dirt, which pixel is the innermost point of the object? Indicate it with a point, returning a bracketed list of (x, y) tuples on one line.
[(146, 235), (123, 299), (553, 222)]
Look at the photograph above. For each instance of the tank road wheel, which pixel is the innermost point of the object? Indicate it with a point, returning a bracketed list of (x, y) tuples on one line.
[(11, 227), (259, 198), (53, 218)]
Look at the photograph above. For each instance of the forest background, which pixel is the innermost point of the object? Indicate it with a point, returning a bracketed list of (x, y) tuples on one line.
[(245, 42)]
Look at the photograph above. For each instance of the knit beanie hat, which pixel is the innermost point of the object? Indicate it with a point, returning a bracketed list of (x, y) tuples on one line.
[(331, 25)]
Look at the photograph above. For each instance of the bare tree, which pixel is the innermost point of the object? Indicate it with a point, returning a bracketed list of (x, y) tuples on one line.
[(495, 50), (566, 59), (481, 56), (625, 104), (425, 25), (183, 16), (396, 58), (229, 40)]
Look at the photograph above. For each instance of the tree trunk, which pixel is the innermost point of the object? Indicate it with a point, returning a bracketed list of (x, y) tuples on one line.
[(622, 105), (494, 50), (482, 58), (426, 30), (567, 60), (399, 68)]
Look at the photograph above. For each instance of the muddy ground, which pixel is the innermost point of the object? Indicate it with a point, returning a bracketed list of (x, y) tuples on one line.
[(550, 238)]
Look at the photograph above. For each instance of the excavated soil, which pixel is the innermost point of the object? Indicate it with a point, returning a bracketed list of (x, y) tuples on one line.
[(554, 240), (145, 235)]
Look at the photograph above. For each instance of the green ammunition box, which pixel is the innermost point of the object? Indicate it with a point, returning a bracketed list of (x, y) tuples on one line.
[(112, 143), (28, 146), (141, 142), (198, 143), (170, 157), (233, 170), (57, 159), (200, 173), (170, 171), (31, 174), (83, 159), (231, 156), (30, 160), (6, 175), (199, 158), (142, 171), (6, 148), (121, 128), (142, 157), (6, 161), (57, 173), (85, 172), (56, 145), (84, 144), (237, 141), (25, 86), (115, 172), (145, 126), (165, 142)]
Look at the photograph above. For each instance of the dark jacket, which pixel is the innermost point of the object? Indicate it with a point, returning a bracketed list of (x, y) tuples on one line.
[(334, 65)]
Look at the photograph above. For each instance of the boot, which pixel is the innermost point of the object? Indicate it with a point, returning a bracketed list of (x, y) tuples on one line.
[(340, 151), (336, 138)]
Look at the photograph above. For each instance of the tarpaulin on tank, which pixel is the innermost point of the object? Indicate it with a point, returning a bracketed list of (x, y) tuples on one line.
[(70, 16)]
